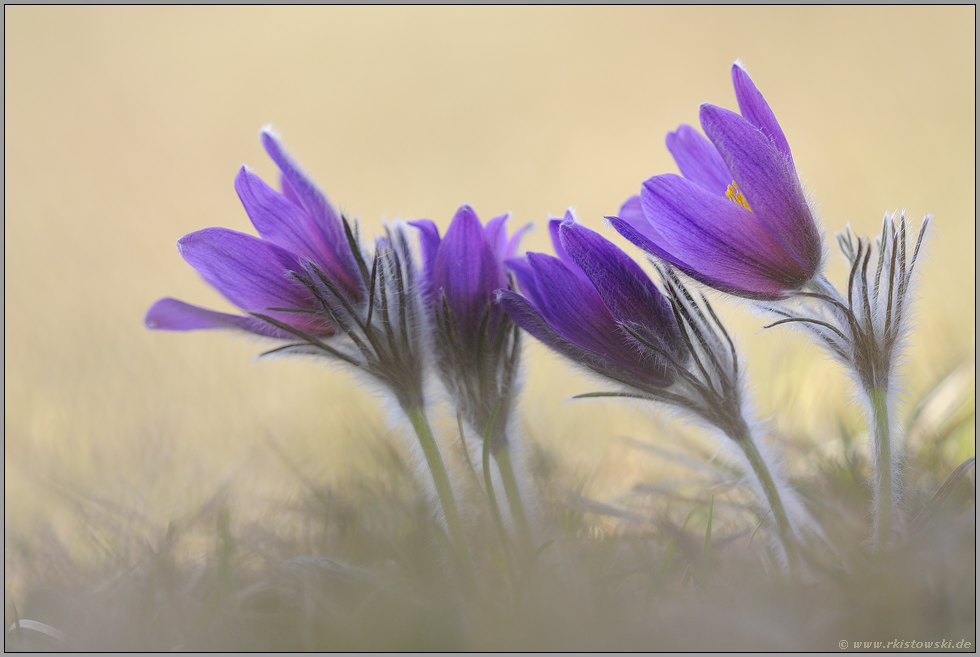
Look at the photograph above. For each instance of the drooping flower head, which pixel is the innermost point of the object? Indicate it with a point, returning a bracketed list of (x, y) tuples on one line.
[(580, 303), (737, 218), (476, 344)]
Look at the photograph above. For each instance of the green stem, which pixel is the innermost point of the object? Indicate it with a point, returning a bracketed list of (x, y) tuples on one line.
[(492, 499), (441, 479), (772, 496), (502, 457), (883, 465)]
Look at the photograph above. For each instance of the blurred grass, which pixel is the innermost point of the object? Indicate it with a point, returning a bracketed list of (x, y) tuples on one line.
[(363, 564), (125, 126)]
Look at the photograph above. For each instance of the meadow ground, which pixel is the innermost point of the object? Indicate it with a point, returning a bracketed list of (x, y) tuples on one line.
[(168, 491)]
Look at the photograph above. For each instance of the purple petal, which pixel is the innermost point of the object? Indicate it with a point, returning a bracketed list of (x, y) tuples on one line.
[(466, 271), (288, 191), (301, 188), (528, 318), (514, 241), (174, 315), (698, 159), (288, 225), (754, 107), (496, 235), (297, 186), (634, 226), (631, 210), (717, 241), (429, 240), (527, 280), (626, 290), (768, 181), (554, 229), (252, 274), (571, 305), (554, 226), (641, 239)]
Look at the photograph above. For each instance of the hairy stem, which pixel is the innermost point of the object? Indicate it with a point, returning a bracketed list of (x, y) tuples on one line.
[(441, 479), (883, 478), (772, 496), (502, 457)]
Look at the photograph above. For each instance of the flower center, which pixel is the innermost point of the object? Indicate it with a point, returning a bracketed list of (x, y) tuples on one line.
[(736, 196)]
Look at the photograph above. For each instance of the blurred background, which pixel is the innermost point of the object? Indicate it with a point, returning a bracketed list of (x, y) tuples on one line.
[(124, 128)]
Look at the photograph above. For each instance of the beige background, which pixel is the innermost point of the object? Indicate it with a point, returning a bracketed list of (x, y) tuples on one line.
[(124, 129)]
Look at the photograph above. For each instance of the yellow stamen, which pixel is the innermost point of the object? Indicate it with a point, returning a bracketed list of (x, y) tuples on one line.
[(736, 196)]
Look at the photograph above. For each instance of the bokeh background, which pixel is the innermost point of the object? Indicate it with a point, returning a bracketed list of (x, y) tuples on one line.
[(124, 128)]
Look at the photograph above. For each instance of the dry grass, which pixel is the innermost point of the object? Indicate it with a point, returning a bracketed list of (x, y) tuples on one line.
[(363, 563)]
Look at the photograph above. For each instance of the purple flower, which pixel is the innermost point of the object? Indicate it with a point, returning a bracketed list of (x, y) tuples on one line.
[(298, 229), (476, 345), (466, 267), (738, 219), (582, 303)]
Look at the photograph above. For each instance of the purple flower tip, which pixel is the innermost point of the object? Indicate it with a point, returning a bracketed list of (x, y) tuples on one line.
[(477, 347), (464, 269), (737, 218), (581, 303), (297, 228)]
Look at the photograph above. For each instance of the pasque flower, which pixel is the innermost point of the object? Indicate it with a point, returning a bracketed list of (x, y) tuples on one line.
[(737, 218), (596, 306), (296, 226), (579, 302), (476, 343), (307, 279), (477, 346)]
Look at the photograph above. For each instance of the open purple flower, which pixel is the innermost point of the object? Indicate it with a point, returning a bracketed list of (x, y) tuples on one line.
[(737, 219), (476, 344), (298, 229), (585, 303)]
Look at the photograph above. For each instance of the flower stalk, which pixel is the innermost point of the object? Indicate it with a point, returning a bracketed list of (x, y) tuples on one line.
[(502, 457), (499, 451), (771, 493), (884, 467), (443, 488)]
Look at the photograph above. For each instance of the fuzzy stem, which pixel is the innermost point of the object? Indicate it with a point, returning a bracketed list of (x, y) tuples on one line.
[(441, 479), (772, 495), (883, 478), (492, 499), (502, 457)]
